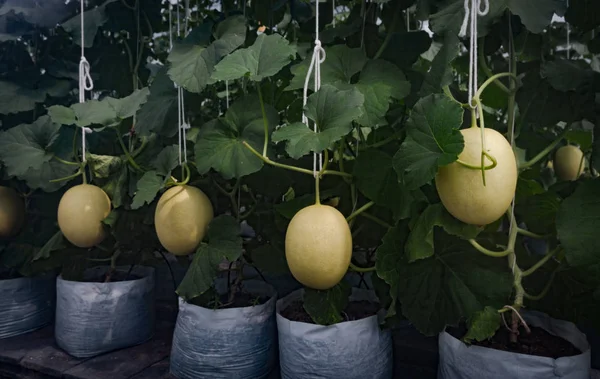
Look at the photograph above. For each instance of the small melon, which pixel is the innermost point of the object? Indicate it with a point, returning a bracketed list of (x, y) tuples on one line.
[(568, 163), (318, 246), (12, 212)]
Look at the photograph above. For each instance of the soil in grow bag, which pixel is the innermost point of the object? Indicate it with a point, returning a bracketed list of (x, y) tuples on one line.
[(240, 300), (113, 278), (539, 343), (355, 310)]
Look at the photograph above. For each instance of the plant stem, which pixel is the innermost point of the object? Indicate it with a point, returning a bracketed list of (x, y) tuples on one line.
[(126, 152), (541, 262), (65, 161), (317, 190), (292, 168), (487, 70), (512, 238), (544, 152), (376, 220), (360, 210), (66, 177), (530, 234), (388, 36), (541, 295), (265, 120), (353, 267), (492, 78)]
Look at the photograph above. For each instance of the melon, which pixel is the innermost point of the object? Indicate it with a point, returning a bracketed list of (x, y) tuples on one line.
[(80, 214), (461, 189), (181, 219), (318, 246), (12, 212), (567, 162)]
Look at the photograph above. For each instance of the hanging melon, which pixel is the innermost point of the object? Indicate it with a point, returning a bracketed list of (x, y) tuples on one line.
[(12, 212), (568, 163)]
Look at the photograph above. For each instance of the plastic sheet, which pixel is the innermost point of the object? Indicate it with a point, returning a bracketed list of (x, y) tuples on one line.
[(94, 318), (26, 304), (459, 361), (349, 350), (226, 343)]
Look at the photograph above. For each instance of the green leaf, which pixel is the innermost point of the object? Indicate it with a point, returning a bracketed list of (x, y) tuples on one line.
[(420, 241), (483, 325), (270, 259), (57, 242), (332, 110), (117, 186), (224, 243), (104, 165), (15, 98), (105, 112), (193, 61), (583, 14), (92, 20), (27, 150), (219, 143), (341, 63), (451, 285), (432, 140), (539, 212), (325, 307), (159, 113), (404, 49), (379, 82), (388, 264), (147, 188), (376, 178), (167, 160), (577, 224), (536, 15), (441, 73), (265, 58), (565, 75)]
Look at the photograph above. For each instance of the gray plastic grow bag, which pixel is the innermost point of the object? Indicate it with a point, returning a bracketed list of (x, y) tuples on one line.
[(94, 318), (26, 304), (349, 350), (226, 343), (459, 361)]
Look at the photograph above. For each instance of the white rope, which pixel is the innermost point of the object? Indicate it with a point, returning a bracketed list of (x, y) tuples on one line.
[(333, 6), (182, 123), (407, 20), (315, 64), (568, 36), (227, 93), (472, 10), (85, 82), (512, 140)]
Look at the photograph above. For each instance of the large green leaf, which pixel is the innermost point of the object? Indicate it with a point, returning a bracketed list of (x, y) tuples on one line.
[(108, 111), (537, 14), (566, 75), (147, 188), (577, 224), (159, 113), (340, 65), (389, 261), (93, 19), (441, 73), (265, 58), (404, 49), (376, 179), (27, 150), (420, 243), (584, 14), (325, 307), (224, 243), (432, 140), (193, 61), (46, 13), (15, 98), (103, 166), (166, 160), (219, 144), (451, 285), (332, 110), (483, 325)]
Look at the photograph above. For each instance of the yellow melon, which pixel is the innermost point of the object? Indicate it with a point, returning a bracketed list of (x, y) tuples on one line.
[(568, 163), (12, 212), (318, 246)]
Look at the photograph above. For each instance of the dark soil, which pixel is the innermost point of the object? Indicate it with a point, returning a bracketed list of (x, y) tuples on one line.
[(355, 310), (240, 300), (117, 276), (539, 343), (4, 275)]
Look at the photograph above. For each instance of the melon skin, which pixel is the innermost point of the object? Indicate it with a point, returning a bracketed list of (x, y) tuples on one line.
[(318, 246), (12, 212), (461, 189), (181, 219), (80, 214), (567, 160)]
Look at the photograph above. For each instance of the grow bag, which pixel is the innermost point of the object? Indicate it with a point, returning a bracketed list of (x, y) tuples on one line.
[(26, 304), (226, 343), (94, 318), (459, 361), (350, 350)]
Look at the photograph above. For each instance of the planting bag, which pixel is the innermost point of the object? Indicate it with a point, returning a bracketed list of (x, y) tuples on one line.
[(94, 318), (459, 361), (226, 343), (349, 350), (26, 304)]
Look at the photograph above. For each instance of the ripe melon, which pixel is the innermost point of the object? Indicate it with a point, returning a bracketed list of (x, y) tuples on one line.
[(181, 219), (80, 214), (318, 246), (461, 188), (567, 161), (12, 212)]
